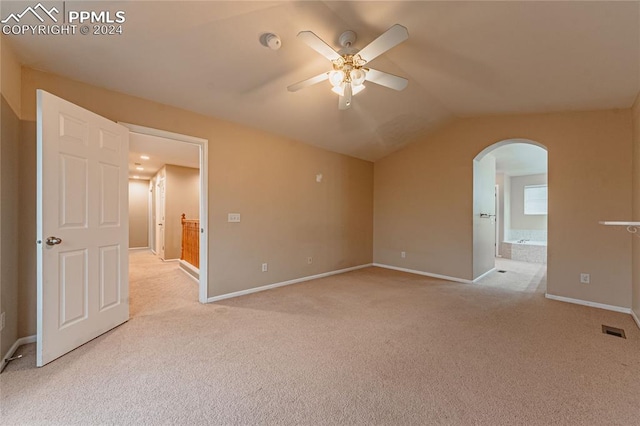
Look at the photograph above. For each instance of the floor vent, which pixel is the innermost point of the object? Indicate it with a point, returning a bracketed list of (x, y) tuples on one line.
[(618, 332), (502, 271)]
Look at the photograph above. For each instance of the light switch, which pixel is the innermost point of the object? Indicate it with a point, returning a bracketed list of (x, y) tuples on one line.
[(233, 217)]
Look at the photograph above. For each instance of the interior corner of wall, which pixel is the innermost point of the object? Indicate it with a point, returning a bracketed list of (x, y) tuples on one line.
[(11, 77)]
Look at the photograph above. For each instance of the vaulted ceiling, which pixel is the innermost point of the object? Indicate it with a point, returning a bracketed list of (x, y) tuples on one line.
[(461, 59)]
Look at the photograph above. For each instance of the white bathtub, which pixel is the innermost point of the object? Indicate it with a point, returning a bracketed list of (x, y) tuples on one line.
[(526, 251)]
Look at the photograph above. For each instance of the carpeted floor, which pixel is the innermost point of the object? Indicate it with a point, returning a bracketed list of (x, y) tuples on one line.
[(371, 346), (517, 276)]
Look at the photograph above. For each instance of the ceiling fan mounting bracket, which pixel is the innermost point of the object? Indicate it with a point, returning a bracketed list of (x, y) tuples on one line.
[(347, 39)]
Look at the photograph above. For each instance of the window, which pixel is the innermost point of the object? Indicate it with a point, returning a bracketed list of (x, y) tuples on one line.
[(535, 199)]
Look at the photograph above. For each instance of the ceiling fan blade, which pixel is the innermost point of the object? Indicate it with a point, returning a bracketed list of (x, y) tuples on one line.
[(317, 44), (387, 80), (390, 38), (308, 82), (344, 102)]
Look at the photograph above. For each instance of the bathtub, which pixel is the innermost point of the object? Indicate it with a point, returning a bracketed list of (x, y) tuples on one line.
[(525, 251)]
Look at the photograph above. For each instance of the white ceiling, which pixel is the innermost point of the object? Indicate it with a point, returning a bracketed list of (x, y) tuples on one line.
[(160, 151), (520, 159), (461, 59)]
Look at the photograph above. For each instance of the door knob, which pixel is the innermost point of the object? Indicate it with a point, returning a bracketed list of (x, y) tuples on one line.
[(52, 241)]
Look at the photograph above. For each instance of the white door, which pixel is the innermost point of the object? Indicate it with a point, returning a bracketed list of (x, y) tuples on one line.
[(82, 221), (160, 211), (484, 204)]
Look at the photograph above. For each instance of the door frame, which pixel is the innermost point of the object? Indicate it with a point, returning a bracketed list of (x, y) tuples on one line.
[(488, 149), (160, 211), (497, 219), (204, 199)]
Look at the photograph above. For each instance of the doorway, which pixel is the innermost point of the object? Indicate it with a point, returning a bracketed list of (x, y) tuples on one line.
[(158, 236), (158, 217), (510, 179)]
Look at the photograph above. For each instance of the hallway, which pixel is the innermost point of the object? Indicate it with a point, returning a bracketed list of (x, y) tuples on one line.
[(157, 286)]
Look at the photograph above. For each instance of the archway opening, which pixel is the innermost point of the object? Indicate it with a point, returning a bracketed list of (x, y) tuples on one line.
[(510, 211)]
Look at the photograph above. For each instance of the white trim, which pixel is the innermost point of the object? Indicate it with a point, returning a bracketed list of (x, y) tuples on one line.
[(21, 341), (635, 318), (186, 267), (617, 223), (427, 274), (484, 275), (588, 303), (203, 288), (170, 260), (497, 223), (189, 275), (150, 220), (138, 248), (284, 283), (163, 133)]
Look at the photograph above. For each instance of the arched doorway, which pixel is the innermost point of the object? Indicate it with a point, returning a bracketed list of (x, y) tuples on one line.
[(509, 204)]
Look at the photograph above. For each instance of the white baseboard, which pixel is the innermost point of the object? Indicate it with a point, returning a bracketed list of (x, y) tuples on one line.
[(427, 274), (186, 265), (587, 303), (170, 260), (284, 283), (635, 318), (484, 275), (138, 248), (21, 341)]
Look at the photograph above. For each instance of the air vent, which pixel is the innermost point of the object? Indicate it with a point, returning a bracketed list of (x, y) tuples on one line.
[(618, 332)]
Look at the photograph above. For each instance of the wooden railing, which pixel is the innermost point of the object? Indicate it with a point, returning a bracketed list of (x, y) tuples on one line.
[(190, 241)]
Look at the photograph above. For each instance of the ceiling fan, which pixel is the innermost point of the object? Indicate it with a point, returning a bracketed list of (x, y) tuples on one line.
[(350, 68)]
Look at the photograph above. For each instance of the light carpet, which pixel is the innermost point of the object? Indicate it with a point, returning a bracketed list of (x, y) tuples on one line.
[(371, 346)]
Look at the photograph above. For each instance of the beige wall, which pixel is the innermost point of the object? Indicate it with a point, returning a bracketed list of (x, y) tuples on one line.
[(138, 213), (11, 77), (636, 205), (423, 199), (270, 180), (9, 194), (519, 220), (182, 195)]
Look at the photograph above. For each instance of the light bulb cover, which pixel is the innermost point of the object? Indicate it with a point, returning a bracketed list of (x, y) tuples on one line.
[(357, 89), (336, 77), (357, 76), (338, 90)]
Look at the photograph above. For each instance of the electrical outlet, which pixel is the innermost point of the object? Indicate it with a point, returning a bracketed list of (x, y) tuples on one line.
[(403, 254), (585, 278), (233, 217), (309, 260), (265, 267), (2, 321)]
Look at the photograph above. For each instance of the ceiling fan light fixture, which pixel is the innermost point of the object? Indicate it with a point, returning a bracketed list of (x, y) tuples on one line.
[(357, 76), (338, 90), (348, 73), (357, 89), (336, 77)]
